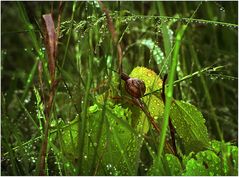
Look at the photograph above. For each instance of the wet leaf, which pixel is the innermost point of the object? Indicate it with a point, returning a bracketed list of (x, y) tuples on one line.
[(210, 161), (228, 155), (194, 168), (190, 126), (157, 168), (153, 102), (117, 150), (173, 165)]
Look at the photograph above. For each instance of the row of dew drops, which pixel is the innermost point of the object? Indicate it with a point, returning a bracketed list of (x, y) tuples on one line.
[(161, 19)]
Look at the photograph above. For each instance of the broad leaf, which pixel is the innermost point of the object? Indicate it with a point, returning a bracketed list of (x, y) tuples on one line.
[(173, 165), (153, 102), (157, 168), (189, 125), (211, 161), (221, 159), (168, 165), (228, 155), (194, 168), (110, 149)]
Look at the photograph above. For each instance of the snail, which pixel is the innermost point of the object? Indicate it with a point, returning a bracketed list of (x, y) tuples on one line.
[(135, 87)]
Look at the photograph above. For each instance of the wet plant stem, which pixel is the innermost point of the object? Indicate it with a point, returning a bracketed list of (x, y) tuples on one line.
[(47, 125), (142, 106), (172, 129)]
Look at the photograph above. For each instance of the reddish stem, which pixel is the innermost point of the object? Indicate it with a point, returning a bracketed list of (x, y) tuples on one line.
[(124, 76)]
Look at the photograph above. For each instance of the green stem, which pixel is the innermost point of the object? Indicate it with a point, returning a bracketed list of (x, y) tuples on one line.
[(169, 91), (69, 37)]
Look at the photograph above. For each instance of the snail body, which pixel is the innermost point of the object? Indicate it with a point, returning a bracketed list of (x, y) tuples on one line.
[(135, 87)]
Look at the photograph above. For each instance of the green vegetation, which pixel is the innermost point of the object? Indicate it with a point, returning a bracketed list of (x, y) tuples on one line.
[(64, 107)]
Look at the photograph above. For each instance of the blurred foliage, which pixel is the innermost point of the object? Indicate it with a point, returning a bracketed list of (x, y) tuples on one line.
[(86, 57)]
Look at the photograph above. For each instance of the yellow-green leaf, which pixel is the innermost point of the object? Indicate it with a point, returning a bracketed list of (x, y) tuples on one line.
[(153, 102)]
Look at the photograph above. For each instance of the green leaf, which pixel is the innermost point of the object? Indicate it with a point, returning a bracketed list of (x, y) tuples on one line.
[(228, 155), (157, 168), (153, 102), (116, 153), (195, 168), (167, 165), (93, 109), (174, 165), (189, 125), (221, 159), (69, 137), (211, 161)]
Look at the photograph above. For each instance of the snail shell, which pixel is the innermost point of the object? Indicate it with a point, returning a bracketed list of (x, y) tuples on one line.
[(135, 87)]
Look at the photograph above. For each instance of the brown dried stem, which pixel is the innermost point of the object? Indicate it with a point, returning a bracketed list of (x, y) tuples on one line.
[(51, 41), (140, 104)]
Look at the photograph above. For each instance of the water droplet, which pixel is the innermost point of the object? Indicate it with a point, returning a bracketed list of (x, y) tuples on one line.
[(67, 164), (222, 9)]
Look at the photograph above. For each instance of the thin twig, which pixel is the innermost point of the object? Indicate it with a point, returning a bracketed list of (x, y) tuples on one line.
[(141, 104)]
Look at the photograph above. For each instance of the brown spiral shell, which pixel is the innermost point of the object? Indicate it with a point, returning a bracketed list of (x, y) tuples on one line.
[(135, 87)]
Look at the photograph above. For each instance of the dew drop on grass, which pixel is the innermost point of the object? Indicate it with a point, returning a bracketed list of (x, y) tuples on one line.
[(4, 52), (108, 166), (67, 164), (222, 9)]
